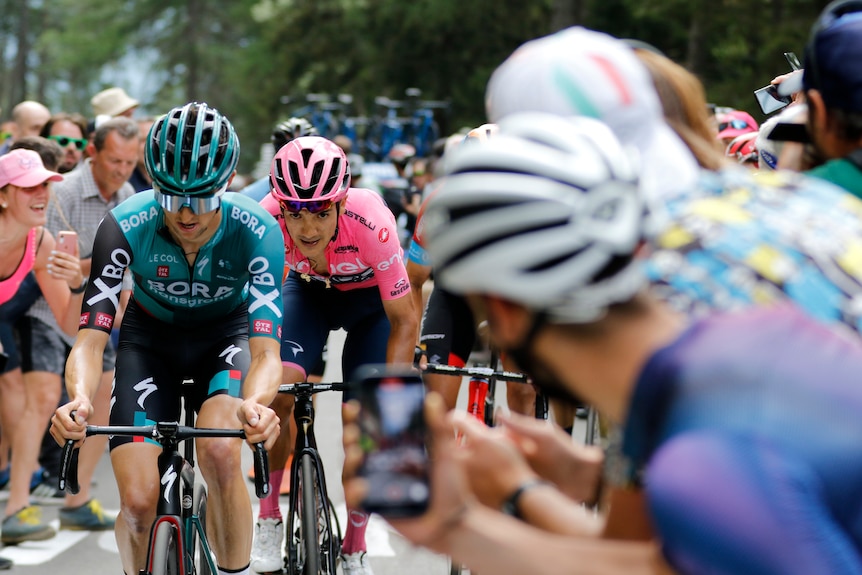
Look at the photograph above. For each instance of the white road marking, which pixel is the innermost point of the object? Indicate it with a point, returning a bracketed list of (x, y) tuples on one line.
[(37, 552)]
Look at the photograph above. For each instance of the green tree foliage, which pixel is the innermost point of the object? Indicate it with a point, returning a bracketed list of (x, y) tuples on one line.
[(254, 59)]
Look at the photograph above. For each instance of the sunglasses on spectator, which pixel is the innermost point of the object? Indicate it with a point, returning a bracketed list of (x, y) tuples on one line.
[(313, 206), (64, 141), (735, 124), (197, 204)]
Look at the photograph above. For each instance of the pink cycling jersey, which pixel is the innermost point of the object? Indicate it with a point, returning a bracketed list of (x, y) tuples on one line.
[(365, 252), (9, 286)]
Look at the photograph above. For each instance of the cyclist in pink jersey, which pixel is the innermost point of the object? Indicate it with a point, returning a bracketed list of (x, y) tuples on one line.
[(345, 270)]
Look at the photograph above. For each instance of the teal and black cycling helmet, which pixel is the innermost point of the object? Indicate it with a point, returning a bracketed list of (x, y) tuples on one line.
[(192, 151)]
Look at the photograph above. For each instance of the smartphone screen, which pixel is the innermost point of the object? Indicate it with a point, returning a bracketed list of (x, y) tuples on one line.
[(66, 241), (769, 99), (393, 436)]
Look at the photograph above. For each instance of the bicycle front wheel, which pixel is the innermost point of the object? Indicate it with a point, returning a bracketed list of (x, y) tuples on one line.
[(165, 550), (310, 520), (203, 559)]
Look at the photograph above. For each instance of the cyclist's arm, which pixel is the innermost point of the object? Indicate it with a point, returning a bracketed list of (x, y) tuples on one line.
[(264, 373), (418, 274), (84, 364), (403, 330)]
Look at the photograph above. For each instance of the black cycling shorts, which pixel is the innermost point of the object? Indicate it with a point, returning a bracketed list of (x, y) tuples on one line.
[(154, 358), (448, 329)]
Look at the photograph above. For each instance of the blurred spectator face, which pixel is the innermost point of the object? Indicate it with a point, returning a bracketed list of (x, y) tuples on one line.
[(114, 163), (31, 120), (421, 175), (69, 136), (144, 127)]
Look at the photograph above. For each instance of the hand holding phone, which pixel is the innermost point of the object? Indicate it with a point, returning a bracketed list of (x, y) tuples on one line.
[(393, 436), (67, 242), (770, 100)]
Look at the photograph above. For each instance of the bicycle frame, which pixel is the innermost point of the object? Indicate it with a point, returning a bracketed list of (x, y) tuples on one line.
[(176, 499), (306, 445)]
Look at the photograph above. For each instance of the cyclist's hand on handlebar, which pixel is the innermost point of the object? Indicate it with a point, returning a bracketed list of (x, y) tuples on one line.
[(494, 464), (260, 423), (70, 421), (574, 468)]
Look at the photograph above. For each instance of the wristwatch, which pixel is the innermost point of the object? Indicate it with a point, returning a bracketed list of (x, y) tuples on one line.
[(510, 505)]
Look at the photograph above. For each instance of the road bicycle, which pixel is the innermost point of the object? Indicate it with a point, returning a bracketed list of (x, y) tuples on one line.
[(421, 128), (313, 537), (483, 387), (178, 538), (386, 129)]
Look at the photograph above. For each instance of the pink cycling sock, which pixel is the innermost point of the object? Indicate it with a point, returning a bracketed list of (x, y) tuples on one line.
[(269, 508), (354, 537)]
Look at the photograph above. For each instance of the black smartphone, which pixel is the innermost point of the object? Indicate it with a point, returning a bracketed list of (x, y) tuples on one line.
[(393, 435), (770, 100), (793, 60)]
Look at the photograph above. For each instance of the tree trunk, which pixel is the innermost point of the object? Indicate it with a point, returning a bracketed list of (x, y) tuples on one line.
[(18, 93)]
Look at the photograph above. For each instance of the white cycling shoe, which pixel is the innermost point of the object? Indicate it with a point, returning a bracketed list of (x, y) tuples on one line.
[(356, 564), (266, 549)]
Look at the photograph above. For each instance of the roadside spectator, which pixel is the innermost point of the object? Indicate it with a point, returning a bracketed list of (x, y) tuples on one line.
[(140, 178), (29, 118), (113, 102), (833, 88), (70, 132), (683, 100), (83, 199), (32, 267), (734, 123)]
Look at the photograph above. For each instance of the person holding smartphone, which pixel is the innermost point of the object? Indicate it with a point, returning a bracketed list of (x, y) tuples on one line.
[(346, 270), (31, 264)]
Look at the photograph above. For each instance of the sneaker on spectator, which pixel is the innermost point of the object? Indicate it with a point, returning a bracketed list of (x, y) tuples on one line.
[(356, 564), (266, 555), (44, 489), (5, 563), (25, 525), (88, 517)]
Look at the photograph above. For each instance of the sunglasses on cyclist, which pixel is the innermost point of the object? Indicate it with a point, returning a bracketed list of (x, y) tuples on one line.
[(314, 206), (198, 204), (64, 141)]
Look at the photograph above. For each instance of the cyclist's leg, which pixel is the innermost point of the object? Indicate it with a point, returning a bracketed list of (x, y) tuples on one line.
[(222, 363), (448, 334), (367, 336), (145, 391)]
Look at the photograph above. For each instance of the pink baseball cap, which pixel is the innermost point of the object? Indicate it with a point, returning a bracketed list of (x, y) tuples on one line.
[(24, 168), (735, 123)]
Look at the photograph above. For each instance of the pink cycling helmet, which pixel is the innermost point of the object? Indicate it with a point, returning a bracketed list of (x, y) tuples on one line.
[(309, 169)]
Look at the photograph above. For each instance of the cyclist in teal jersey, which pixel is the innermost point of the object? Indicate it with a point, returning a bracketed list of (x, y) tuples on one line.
[(206, 306)]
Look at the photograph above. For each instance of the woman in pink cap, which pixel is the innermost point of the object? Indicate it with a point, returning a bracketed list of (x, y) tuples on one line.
[(29, 264)]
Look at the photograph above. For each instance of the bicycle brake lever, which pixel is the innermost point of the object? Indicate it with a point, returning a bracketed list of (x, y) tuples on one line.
[(68, 480), (261, 471)]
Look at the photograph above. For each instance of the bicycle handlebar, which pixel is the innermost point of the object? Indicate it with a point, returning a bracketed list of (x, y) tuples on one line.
[(167, 434), (475, 371), (311, 388)]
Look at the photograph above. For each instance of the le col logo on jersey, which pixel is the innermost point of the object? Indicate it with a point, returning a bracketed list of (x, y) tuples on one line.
[(249, 220)]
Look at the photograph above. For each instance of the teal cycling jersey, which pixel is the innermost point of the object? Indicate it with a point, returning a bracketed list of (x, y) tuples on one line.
[(241, 264)]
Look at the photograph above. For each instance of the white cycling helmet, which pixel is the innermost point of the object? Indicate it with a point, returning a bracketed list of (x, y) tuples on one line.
[(546, 214)]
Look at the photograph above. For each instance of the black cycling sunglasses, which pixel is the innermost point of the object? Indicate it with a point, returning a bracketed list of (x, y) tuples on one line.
[(64, 141)]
